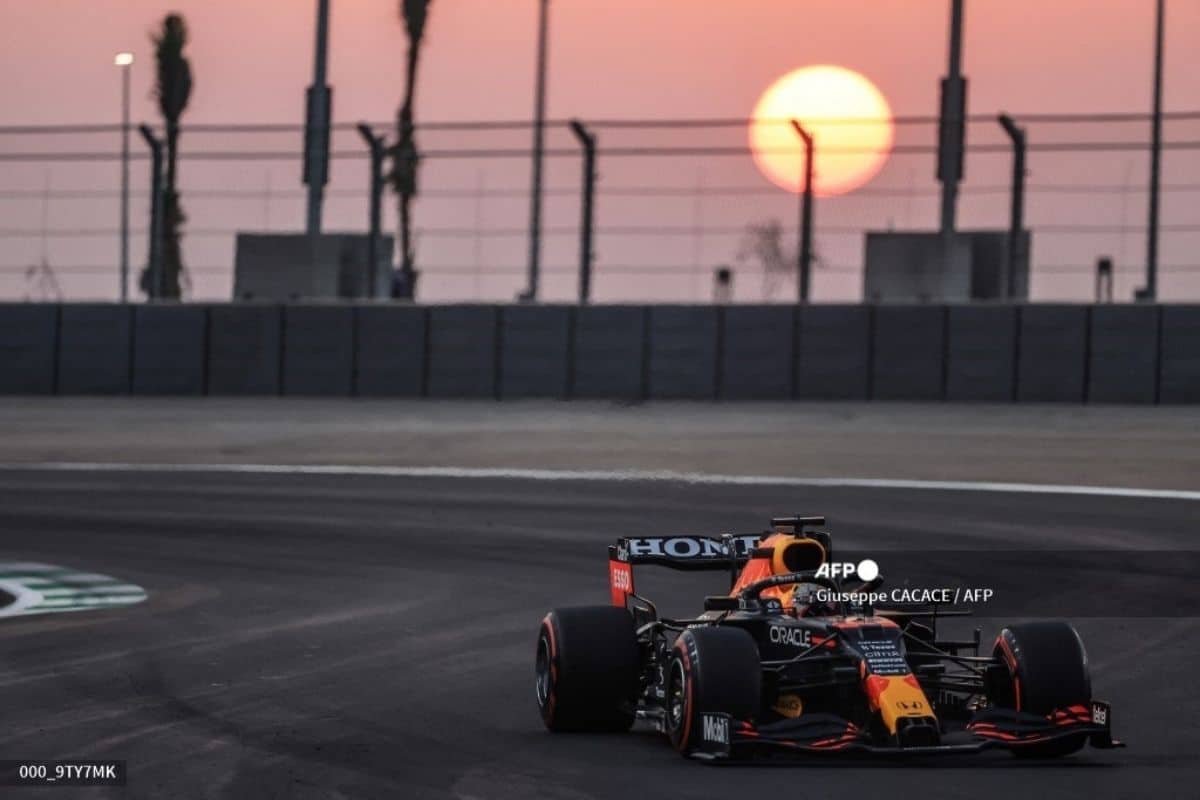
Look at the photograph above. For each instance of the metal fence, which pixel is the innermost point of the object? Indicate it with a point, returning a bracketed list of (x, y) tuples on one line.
[(676, 200)]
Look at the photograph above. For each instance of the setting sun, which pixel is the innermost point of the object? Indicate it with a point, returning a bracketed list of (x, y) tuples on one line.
[(828, 101)]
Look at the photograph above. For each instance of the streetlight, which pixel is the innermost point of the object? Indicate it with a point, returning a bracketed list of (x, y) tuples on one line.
[(125, 62)]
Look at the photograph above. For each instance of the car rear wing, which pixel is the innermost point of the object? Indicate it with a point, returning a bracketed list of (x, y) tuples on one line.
[(692, 553)]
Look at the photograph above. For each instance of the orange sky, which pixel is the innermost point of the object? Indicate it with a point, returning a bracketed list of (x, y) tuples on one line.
[(611, 58)]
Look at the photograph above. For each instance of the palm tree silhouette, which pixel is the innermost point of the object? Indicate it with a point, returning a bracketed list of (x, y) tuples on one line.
[(173, 88), (405, 156)]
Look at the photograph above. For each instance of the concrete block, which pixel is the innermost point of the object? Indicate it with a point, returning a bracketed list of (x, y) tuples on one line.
[(462, 351), (94, 348), (833, 352), (1051, 353), (757, 352), (683, 352), (909, 350), (391, 351), (1179, 360), (981, 346), (28, 347), (318, 350), (168, 349), (535, 351), (1123, 355), (244, 349), (610, 351)]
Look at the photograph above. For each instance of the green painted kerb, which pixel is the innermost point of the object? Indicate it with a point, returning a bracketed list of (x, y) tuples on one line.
[(32, 588)]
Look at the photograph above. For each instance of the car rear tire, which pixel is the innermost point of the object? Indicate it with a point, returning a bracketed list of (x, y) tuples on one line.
[(714, 670), (1048, 671), (588, 668)]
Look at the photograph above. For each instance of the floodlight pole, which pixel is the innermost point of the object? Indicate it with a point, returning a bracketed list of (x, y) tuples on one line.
[(952, 133), (318, 106), (378, 153), (156, 282), (125, 62), (1017, 215), (1150, 292), (588, 141), (804, 259), (539, 136)]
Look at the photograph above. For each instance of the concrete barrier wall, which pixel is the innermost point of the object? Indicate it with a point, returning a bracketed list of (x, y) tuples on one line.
[(610, 352), (908, 353), (1052, 343), (244, 349), (1123, 354), (318, 350), (981, 348), (535, 351), (168, 349), (390, 356), (462, 351), (833, 353), (980, 353), (683, 352), (757, 352), (28, 348), (95, 349), (1179, 362)]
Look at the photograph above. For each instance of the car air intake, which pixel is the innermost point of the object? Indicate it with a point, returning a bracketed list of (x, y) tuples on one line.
[(917, 732)]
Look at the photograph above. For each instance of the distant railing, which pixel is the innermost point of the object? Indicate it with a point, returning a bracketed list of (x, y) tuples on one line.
[(675, 201)]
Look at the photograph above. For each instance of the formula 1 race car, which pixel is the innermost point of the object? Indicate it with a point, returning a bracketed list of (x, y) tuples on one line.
[(785, 662)]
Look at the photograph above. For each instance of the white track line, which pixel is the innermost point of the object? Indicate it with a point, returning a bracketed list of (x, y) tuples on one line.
[(634, 475)]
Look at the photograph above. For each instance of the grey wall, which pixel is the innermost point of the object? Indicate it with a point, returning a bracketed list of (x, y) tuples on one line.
[(758, 352), (462, 351), (391, 343), (908, 352), (985, 353), (318, 349), (610, 352), (535, 350), (1123, 354), (28, 348), (1052, 345), (1179, 365), (94, 349), (244, 349), (981, 348), (833, 353), (168, 349), (683, 352)]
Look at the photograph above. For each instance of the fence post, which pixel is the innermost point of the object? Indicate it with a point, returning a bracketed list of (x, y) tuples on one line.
[(375, 143), (804, 265), (1016, 219), (155, 284), (588, 141)]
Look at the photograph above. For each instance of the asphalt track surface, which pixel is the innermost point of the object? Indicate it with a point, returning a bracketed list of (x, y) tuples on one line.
[(358, 636)]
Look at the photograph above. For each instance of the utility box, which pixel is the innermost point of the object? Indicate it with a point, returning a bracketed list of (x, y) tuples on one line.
[(913, 267), (286, 267)]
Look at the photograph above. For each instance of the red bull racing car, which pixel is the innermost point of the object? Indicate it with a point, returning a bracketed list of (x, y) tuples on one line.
[(785, 662)]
